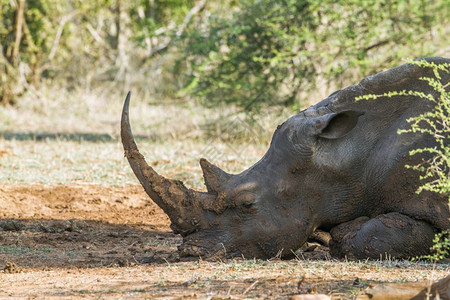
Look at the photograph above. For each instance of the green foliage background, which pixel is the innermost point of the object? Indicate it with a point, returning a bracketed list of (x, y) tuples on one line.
[(250, 53), (277, 51), (78, 44)]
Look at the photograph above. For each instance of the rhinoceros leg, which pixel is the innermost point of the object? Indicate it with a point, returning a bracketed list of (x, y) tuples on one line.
[(388, 235)]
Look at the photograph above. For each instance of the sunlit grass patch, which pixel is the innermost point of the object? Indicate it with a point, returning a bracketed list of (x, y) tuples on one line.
[(64, 162), (74, 138)]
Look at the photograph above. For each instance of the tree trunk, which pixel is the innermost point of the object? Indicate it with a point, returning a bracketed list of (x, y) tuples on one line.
[(19, 26), (117, 11)]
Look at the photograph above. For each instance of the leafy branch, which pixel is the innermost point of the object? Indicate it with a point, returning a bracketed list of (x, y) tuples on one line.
[(435, 123)]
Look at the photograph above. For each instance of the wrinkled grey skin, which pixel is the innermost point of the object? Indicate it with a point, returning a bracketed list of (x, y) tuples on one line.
[(330, 164)]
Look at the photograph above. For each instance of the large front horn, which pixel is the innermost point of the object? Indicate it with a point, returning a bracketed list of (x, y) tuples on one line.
[(185, 207)]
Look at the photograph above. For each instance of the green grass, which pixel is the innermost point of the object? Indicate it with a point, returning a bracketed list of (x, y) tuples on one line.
[(25, 250), (14, 250)]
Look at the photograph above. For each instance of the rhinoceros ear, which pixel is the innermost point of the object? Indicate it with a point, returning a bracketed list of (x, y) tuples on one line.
[(335, 125)]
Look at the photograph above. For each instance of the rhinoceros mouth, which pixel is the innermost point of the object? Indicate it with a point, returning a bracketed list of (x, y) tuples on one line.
[(206, 244)]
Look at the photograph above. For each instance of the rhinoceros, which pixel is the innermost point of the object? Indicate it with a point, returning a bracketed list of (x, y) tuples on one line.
[(338, 166)]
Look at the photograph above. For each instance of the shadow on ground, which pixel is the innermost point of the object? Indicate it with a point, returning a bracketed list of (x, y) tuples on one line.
[(43, 243)]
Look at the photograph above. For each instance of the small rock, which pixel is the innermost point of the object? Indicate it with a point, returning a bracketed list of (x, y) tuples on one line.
[(123, 262), (441, 288), (11, 268), (11, 225), (305, 288), (310, 297), (192, 280), (411, 290)]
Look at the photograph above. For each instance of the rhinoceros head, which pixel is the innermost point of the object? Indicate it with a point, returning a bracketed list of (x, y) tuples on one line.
[(269, 209)]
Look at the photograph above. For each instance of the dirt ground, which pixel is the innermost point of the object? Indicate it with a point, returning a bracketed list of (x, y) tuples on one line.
[(92, 241)]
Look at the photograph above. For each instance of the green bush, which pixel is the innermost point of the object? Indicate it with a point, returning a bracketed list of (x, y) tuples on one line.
[(81, 44), (275, 52), (48, 40), (436, 123), (441, 247)]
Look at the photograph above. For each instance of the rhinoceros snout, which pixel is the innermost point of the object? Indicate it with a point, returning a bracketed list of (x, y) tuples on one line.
[(197, 245)]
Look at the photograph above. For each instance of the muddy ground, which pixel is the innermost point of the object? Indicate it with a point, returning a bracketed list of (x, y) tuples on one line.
[(77, 241)]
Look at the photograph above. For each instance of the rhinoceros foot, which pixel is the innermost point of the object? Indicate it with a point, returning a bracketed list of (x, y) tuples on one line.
[(391, 234)]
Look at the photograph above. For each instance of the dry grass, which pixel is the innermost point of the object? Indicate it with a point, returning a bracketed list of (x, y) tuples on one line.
[(61, 162), (67, 137), (63, 112), (234, 279), (70, 137)]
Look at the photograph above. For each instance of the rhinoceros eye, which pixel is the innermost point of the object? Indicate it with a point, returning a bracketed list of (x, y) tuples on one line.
[(245, 199), (248, 205)]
